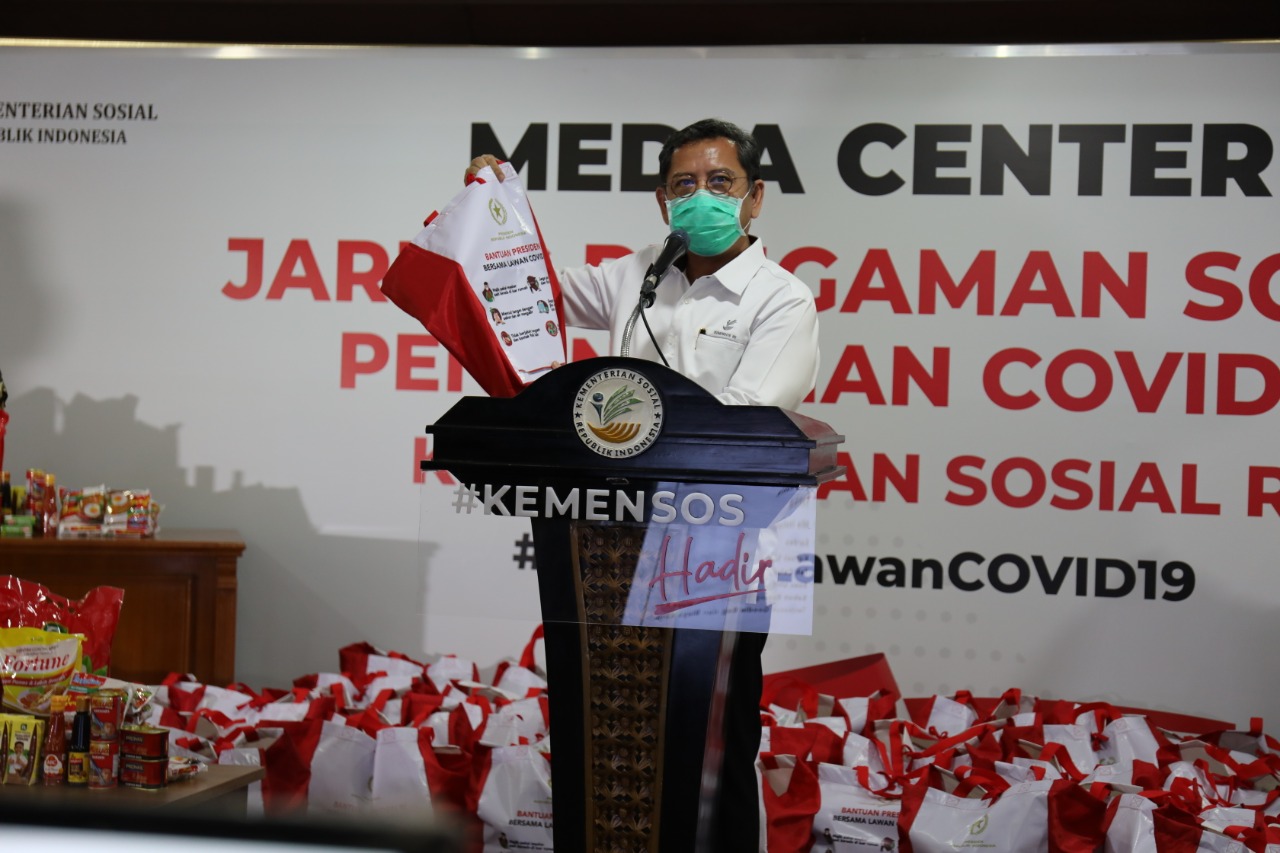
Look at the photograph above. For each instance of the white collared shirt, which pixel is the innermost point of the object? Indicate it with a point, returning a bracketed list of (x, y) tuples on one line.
[(748, 333)]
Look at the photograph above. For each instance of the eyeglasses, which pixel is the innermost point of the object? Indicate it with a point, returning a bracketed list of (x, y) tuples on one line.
[(719, 183)]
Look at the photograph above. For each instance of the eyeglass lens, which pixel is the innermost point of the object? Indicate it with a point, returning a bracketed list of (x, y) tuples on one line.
[(720, 183)]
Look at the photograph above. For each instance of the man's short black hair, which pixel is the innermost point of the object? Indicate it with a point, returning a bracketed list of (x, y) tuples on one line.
[(712, 128)]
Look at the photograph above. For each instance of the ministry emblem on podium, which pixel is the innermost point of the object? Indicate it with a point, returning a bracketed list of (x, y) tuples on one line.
[(618, 413)]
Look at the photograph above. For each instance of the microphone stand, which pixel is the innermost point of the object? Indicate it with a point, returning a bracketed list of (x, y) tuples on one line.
[(628, 330), (645, 301), (676, 244)]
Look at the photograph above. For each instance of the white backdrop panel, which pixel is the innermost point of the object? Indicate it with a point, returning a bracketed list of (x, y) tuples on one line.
[(139, 353)]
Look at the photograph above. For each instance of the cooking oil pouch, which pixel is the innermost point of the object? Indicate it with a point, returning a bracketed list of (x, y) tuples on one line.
[(35, 666)]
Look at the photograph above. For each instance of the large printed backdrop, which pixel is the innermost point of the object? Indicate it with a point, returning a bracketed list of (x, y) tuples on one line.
[(1049, 303)]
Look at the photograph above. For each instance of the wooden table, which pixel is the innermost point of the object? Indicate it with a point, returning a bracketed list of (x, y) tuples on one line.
[(179, 612), (221, 786), (197, 814)]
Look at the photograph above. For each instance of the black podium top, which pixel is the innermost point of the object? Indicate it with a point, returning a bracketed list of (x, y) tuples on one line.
[(549, 431)]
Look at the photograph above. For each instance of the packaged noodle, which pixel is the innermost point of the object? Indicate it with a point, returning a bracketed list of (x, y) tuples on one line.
[(139, 521), (35, 666), (184, 767), (69, 501), (82, 512), (130, 514), (116, 514)]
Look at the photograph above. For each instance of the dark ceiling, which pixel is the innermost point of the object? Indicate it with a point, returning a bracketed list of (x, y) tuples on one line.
[(628, 22)]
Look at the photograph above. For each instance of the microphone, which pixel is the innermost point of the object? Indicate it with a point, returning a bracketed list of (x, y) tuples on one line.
[(673, 249)]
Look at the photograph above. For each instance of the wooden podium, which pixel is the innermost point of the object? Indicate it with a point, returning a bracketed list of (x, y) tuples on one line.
[(641, 716)]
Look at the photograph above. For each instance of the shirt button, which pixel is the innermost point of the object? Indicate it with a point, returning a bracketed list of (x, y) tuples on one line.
[(687, 301)]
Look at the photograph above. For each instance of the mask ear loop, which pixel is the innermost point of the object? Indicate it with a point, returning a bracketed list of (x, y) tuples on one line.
[(746, 229)]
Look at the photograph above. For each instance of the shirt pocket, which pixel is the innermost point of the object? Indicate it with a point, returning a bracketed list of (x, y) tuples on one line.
[(715, 360)]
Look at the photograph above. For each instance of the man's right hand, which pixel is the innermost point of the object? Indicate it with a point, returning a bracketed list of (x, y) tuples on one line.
[(479, 163)]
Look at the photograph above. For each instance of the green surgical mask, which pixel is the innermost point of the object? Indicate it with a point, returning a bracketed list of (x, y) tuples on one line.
[(711, 220)]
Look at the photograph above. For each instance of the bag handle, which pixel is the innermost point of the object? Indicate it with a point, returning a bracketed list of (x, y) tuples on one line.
[(777, 684), (527, 659)]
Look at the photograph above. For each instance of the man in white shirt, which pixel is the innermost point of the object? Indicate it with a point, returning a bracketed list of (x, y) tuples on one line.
[(731, 320), (725, 316)]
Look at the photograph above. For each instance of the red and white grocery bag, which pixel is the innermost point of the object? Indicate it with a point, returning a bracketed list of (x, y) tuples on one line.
[(864, 755), (515, 800), (524, 677), (1138, 824), (320, 764), (1048, 816), (949, 717), (1130, 826), (341, 769), (789, 800), (399, 772), (448, 671), (851, 818), (862, 712), (478, 277), (522, 721), (247, 756), (1128, 754)]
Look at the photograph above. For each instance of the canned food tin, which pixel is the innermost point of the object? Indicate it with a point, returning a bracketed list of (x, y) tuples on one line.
[(106, 713), (104, 765), (150, 773), (138, 741)]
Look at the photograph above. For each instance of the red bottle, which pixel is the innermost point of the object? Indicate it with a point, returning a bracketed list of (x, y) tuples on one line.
[(54, 763), (34, 503), (48, 517)]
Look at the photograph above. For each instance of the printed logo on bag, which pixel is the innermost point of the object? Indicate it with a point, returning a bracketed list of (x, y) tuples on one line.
[(618, 413), (497, 211), (979, 826)]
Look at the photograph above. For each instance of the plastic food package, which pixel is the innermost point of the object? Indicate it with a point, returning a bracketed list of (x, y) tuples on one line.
[(81, 512), (26, 604), (21, 737), (35, 666), (131, 514)]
